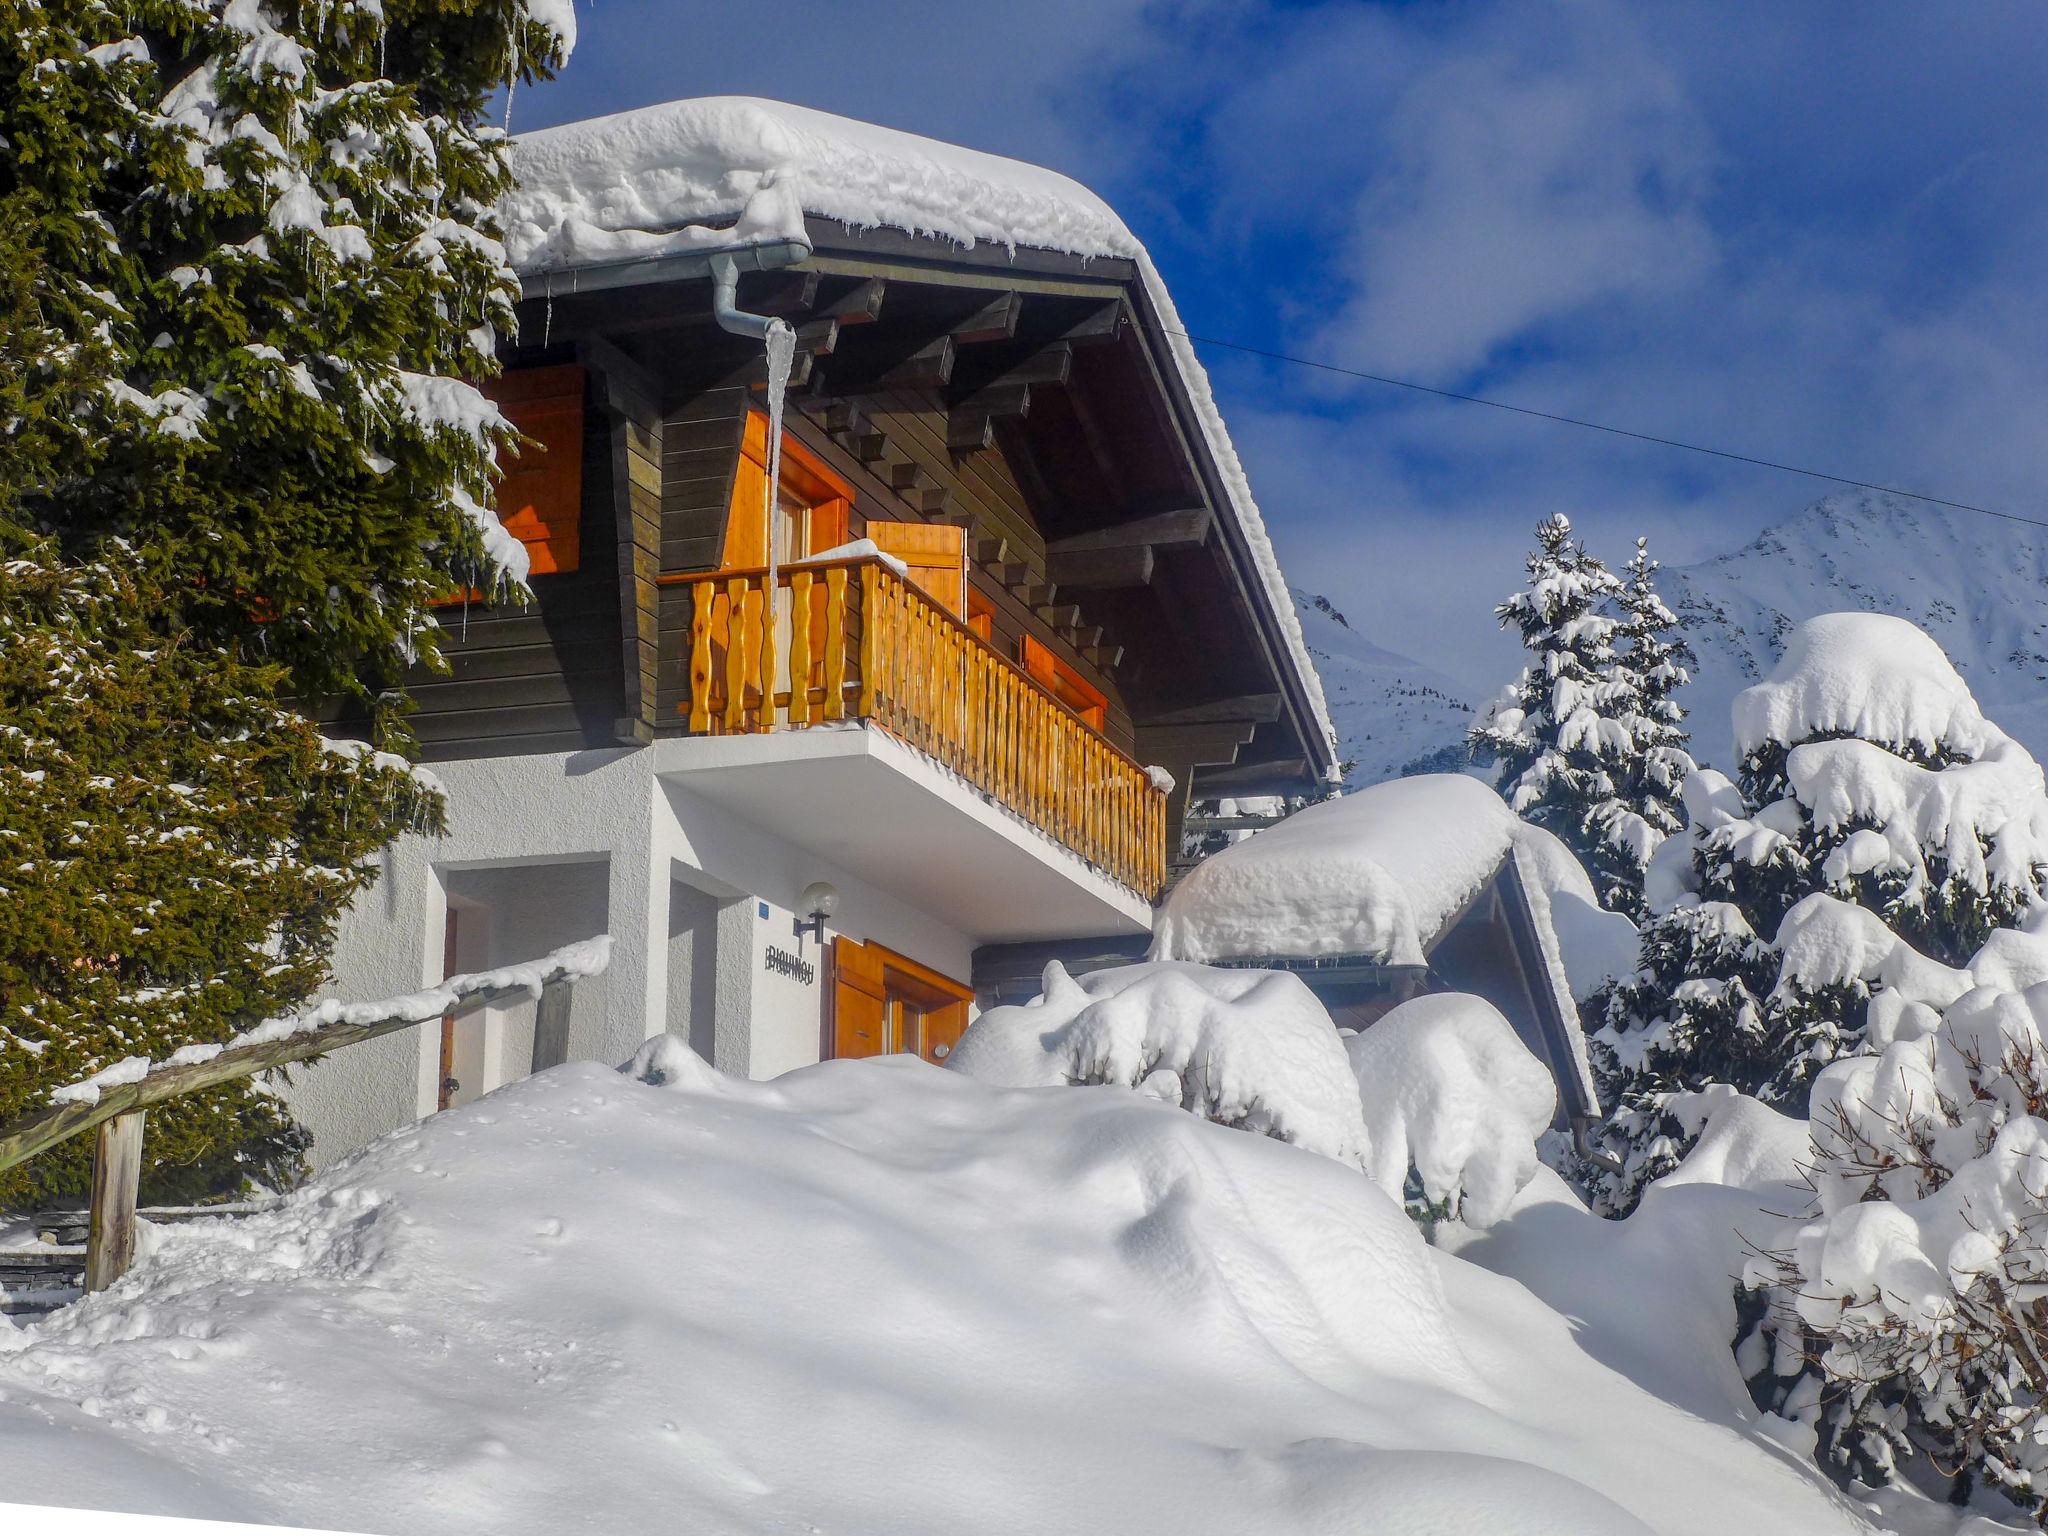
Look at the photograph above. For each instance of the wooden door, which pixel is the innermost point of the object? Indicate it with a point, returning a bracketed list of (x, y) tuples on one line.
[(884, 1003), (860, 1001)]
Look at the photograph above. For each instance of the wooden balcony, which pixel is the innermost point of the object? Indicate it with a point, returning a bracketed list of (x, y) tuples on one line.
[(851, 640)]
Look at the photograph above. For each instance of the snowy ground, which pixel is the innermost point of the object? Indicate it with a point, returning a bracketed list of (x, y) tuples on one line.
[(881, 1297)]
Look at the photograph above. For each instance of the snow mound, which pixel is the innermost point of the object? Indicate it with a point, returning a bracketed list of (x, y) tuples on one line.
[(870, 1296), (1252, 1049), (1741, 1143), (1867, 675), (726, 170), (1449, 1090), (1379, 873)]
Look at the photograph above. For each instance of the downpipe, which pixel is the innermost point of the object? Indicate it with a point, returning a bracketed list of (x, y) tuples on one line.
[(725, 301)]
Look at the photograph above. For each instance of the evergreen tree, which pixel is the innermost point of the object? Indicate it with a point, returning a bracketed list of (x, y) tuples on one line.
[(253, 268), (178, 847), (1650, 664), (273, 218), (1869, 782), (1555, 735)]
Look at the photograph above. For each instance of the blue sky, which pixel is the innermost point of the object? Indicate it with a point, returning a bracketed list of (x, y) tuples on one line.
[(1806, 231)]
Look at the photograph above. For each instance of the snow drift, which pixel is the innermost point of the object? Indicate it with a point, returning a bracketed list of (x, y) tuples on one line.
[(1449, 1091), (1251, 1049), (868, 1297)]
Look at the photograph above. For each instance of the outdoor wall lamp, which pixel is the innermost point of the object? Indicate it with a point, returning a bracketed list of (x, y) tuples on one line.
[(818, 902)]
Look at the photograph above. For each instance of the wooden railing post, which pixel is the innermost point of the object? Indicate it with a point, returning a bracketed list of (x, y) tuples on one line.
[(835, 643), (551, 1025), (800, 647), (116, 1175), (702, 595), (870, 637)]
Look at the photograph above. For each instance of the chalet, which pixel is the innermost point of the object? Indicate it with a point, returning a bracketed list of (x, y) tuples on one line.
[(827, 712), (1417, 885)]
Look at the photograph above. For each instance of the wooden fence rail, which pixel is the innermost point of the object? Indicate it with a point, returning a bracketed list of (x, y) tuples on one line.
[(862, 643), (116, 1110)]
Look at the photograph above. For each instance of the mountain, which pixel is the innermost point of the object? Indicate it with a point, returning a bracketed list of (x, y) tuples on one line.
[(1393, 715), (1977, 584)]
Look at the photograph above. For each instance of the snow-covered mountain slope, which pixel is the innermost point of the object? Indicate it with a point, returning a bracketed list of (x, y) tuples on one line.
[(1977, 584), (876, 1296), (1393, 715)]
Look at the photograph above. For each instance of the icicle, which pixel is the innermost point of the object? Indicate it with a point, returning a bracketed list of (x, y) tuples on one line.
[(781, 347)]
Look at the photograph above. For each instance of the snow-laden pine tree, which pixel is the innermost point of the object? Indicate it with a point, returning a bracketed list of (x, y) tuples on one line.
[(275, 219), (1555, 736), (1903, 1319), (1651, 663), (255, 277), (1869, 782)]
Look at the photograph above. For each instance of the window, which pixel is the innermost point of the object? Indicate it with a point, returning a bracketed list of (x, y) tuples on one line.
[(812, 504), (884, 1003), (540, 496), (1066, 685)]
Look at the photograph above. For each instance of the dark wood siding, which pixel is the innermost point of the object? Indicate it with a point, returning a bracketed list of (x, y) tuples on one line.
[(544, 676)]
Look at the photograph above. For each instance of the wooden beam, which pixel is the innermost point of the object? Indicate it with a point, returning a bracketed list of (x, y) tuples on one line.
[(859, 305), (1165, 530), (1095, 570), (994, 321), (929, 367), (1060, 615), (1213, 744), (1102, 324), (971, 425), (1260, 708), (116, 1176)]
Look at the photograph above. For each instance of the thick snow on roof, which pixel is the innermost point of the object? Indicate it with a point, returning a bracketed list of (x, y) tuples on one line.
[(1867, 675), (694, 175), (1378, 873)]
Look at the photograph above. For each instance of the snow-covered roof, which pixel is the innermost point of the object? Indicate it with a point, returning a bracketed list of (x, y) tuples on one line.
[(695, 175), (1379, 874)]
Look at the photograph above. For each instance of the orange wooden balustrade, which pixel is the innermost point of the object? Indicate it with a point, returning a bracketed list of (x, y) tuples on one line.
[(864, 644)]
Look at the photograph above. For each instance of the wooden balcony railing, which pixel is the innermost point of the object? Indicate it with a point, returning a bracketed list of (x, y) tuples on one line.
[(852, 640)]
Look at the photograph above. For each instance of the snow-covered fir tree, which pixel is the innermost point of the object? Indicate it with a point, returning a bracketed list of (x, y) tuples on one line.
[(252, 281), (1901, 1320), (179, 847), (274, 217), (1869, 780), (1651, 663), (1555, 735)]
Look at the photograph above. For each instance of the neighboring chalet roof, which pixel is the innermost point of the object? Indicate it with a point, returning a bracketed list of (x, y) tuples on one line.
[(1384, 876), (693, 176)]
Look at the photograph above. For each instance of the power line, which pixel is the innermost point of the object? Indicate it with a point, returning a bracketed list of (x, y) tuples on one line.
[(1601, 426)]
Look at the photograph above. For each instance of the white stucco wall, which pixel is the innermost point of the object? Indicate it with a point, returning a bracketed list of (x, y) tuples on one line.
[(549, 848)]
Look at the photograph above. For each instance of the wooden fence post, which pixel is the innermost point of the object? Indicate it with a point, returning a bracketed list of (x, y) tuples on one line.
[(116, 1172), (551, 1026)]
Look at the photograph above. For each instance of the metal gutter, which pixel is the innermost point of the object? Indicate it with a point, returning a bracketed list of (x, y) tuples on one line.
[(671, 267)]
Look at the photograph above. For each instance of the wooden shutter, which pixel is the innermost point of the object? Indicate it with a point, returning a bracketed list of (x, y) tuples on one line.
[(540, 497), (860, 1004), (936, 554), (1066, 684)]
